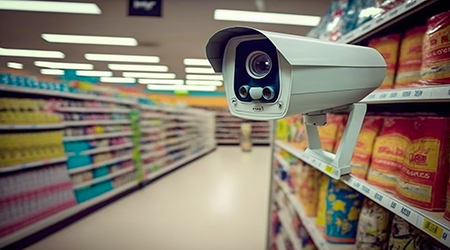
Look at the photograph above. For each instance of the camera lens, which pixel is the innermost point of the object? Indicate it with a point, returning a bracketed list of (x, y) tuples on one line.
[(268, 93), (258, 64), (243, 91)]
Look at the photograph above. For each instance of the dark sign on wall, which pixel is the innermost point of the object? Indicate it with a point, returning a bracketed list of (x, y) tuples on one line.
[(145, 7)]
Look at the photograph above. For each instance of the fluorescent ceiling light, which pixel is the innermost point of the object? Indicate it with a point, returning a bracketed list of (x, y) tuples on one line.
[(117, 80), (31, 53), (47, 6), (149, 75), (61, 65), (162, 81), (265, 17), (123, 67), (121, 58), (181, 87), (14, 65), (204, 77), (196, 62), (83, 39), (197, 82), (199, 70), (93, 73), (53, 72)]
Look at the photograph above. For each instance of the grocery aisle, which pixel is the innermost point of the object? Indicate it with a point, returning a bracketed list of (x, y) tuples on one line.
[(219, 201)]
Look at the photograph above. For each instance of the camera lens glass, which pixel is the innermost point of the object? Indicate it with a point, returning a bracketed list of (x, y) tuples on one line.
[(258, 64), (243, 91), (268, 93)]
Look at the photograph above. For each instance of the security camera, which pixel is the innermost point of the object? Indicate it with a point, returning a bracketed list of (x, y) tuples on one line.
[(270, 75)]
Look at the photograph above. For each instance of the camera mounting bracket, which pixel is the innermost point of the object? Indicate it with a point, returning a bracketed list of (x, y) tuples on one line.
[(338, 163)]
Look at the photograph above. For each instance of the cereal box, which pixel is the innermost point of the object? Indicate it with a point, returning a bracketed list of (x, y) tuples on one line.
[(322, 203), (373, 227), (342, 214), (435, 51), (388, 48), (424, 173), (410, 59), (389, 151), (364, 146), (308, 189)]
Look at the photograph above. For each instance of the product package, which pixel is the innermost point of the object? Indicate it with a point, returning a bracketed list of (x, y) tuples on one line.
[(424, 173), (389, 151), (322, 203), (364, 146), (328, 133), (388, 48), (342, 213), (373, 227), (406, 236), (410, 58), (447, 203), (307, 184), (435, 52)]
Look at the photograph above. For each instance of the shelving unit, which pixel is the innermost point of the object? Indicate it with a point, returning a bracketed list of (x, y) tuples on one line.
[(169, 141)]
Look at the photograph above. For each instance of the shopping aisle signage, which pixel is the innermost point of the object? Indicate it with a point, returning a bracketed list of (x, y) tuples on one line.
[(144, 7)]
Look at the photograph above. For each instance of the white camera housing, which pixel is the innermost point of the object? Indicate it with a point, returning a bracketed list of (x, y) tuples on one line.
[(269, 75), (312, 75)]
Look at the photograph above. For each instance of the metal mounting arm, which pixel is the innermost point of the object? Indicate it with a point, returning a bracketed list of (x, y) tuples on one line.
[(340, 160)]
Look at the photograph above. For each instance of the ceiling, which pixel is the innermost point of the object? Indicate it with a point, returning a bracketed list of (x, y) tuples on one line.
[(181, 32)]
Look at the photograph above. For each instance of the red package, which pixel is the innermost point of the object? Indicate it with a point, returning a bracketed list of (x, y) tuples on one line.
[(389, 151), (364, 146), (388, 48), (424, 174), (436, 50), (447, 204), (328, 133)]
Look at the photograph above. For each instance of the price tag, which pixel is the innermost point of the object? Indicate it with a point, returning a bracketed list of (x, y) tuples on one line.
[(366, 27), (418, 93), (406, 93), (383, 96), (378, 197), (379, 20), (393, 12), (432, 228), (410, 4), (371, 96), (329, 169), (393, 95), (365, 189)]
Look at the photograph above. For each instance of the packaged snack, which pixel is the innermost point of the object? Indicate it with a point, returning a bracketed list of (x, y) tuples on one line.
[(282, 132), (410, 59), (307, 184), (424, 172), (373, 227), (328, 133), (340, 132), (406, 236), (342, 214), (435, 52), (364, 145), (322, 203), (388, 48), (389, 151)]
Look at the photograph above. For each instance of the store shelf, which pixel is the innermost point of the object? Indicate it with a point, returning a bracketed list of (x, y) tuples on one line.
[(42, 224), (93, 110), (150, 124), (150, 130), (279, 242), (69, 95), (286, 223), (150, 138), (153, 154), (310, 223), (96, 136), (420, 218), (177, 132), (439, 93), (99, 164), (258, 141), (177, 147), (375, 25), (151, 116), (106, 149), (176, 164), (227, 141), (32, 164), (31, 126), (104, 178), (282, 162), (95, 122)]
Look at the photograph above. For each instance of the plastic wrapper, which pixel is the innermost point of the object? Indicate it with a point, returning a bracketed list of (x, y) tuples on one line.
[(307, 185), (424, 173), (322, 203), (388, 48), (436, 50)]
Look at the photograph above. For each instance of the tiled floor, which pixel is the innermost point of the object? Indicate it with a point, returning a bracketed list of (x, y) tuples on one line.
[(219, 201)]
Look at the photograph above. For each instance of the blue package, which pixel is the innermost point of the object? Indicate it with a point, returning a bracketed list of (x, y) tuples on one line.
[(4, 78)]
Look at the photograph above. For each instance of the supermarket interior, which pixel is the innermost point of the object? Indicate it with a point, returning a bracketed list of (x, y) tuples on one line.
[(241, 124)]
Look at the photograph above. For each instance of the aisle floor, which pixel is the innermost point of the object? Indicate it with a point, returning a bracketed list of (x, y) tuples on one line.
[(219, 201)]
